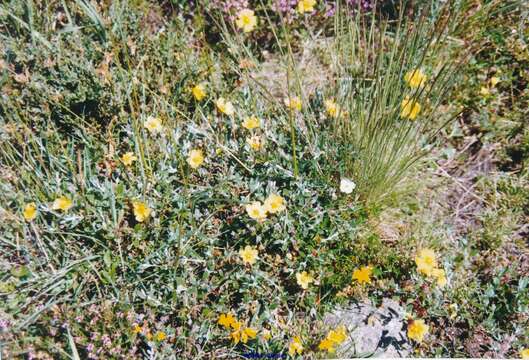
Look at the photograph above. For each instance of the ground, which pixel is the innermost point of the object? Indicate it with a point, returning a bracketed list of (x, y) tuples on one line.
[(125, 208)]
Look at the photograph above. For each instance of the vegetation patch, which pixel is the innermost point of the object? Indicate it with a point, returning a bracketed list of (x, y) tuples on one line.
[(212, 179)]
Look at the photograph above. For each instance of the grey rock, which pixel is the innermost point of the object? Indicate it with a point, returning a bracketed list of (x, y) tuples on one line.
[(377, 332)]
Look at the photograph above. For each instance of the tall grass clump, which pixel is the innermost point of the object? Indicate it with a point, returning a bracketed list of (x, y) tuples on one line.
[(383, 99)]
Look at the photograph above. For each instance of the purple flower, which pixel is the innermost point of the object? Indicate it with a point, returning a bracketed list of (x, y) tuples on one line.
[(353, 5), (130, 316), (106, 340), (230, 7), (4, 324)]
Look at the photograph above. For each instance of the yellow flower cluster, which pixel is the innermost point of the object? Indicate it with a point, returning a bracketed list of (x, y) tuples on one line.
[(333, 109), (159, 336), (363, 275), (293, 103), (255, 141), (251, 122), (153, 124), (417, 330), (30, 211), (272, 205), (239, 332), (195, 158), (334, 338), (249, 254), (199, 92), (225, 107), (306, 6), (304, 279), (409, 109), (128, 158), (486, 90), (295, 346), (415, 78), (141, 210), (426, 262), (62, 203), (246, 20)]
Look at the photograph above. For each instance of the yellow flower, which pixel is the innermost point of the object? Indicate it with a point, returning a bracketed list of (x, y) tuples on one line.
[(415, 78), (153, 124), (226, 320), (236, 325), (337, 336), (524, 353), (417, 330), (160, 336), (195, 158), (426, 262), (334, 338), (199, 92), (494, 81), (62, 203), (256, 211), (332, 108), (136, 329), (304, 279), (440, 276), (30, 211), (248, 254), (363, 275), (224, 106), (254, 142), (293, 103), (235, 336), (128, 158), (250, 123), (295, 346), (274, 203), (306, 6), (484, 91), (141, 210), (246, 20), (248, 333), (326, 344), (242, 334), (409, 108)]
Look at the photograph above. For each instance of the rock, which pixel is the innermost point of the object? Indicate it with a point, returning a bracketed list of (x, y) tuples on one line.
[(378, 332)]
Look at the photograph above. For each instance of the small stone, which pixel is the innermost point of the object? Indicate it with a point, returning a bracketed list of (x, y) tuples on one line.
[(377, 332)]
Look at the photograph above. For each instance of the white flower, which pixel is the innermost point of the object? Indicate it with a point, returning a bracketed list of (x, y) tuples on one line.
[(347, 186)]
